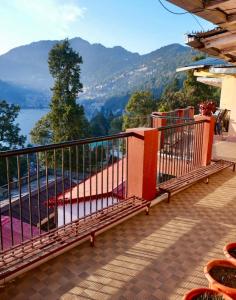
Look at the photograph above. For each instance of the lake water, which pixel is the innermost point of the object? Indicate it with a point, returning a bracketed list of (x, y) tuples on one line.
[(27, 119)]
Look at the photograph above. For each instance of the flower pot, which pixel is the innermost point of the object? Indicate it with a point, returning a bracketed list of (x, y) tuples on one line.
[(201, 291), (218, 284), (229, 256)]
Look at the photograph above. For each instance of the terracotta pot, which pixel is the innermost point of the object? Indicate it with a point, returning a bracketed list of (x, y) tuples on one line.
[(200, 291), (229, 256), (215, 285)]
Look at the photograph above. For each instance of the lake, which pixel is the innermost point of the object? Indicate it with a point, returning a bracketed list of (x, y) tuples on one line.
[(27, 119)]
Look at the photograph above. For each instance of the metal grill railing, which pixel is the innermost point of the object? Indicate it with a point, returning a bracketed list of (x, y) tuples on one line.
[(47, 187), (180, 149)]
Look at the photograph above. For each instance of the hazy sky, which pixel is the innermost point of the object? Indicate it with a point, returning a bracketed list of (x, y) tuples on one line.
[(137, 25)]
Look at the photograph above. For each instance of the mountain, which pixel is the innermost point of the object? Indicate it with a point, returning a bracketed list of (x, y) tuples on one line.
[(106, 73), (24, 97)]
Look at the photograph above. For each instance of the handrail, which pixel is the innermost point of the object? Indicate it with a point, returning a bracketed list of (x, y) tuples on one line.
[(181, 125), (35, 149), (170, 117)]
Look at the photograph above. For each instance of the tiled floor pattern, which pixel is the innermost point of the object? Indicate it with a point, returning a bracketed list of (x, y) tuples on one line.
[(160, 256), (224, 149)]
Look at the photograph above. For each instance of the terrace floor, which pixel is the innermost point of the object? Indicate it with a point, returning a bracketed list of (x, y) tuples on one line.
[(160, 256)]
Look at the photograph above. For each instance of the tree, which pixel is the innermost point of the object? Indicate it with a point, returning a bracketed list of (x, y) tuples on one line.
[(67, 118), (10, 137), (172, 97), (192, 93), (41, 134), (138, 110), (99, 125), (116, 125), (196, 92)]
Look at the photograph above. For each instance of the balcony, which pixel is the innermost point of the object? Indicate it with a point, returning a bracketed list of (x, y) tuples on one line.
[(159, 256)]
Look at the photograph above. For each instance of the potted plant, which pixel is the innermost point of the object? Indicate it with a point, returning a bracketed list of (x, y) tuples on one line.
[(207, 108), (221, 275), (205, 294), (230, 252)]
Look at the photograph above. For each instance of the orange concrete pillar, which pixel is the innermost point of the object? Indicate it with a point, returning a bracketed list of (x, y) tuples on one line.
[(191, 112), (160, 122), (208, 136), (142, 163)]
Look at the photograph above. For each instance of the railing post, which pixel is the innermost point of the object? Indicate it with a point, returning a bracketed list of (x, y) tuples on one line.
[(142, 163), (207, 140), (160, 122), (190, 112)]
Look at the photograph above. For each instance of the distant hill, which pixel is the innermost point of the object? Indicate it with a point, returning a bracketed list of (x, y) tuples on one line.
[(106, 72), (24, 97)]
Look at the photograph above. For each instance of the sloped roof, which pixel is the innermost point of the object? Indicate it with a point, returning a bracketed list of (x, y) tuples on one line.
[(206, 63), (221, 41)]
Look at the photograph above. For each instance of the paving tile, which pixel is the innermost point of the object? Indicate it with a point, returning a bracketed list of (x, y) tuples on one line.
[(160, 256)]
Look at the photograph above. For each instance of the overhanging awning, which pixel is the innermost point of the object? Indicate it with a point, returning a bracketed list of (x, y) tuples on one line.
[(221, 41)]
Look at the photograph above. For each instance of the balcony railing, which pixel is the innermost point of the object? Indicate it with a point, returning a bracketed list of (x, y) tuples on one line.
[(47, 187), (180, 149)]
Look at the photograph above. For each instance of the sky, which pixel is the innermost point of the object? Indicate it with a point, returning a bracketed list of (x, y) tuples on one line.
[(137, 25)]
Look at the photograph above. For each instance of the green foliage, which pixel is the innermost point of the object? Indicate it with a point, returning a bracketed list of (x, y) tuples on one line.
[(192, 93), (172, 97), (138, 110), (99, 125), (196, 92), (41, 134), (116, 125), (66, 120), (10, 136)]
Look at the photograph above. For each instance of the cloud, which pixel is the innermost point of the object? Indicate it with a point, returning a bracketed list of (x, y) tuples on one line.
[(57, 13)]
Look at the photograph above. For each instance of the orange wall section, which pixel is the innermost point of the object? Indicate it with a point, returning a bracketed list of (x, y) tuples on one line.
[(142, 163)]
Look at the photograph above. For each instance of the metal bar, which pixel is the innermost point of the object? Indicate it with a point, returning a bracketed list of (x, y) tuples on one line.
[(127, 158), (29, 193), (108, 157), (102, 174), (10, 200), (66, 144), (84, 179), (63, 186), (55, 188), (70, 177), (20, 198), (90, 180), (182, 124), (112, 176), (47, 193), (38, 190), (122, 167), (77, 180), (96, 172)]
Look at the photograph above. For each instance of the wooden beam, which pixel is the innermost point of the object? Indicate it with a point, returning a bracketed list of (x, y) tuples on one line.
[(229, 49), (221, 42), (231, 18), (211, 4)]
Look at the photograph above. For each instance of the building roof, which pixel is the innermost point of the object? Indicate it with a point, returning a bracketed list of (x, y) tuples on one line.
[(109, 181), (221, 41), (206, 63), (16, 230), (30, 209)]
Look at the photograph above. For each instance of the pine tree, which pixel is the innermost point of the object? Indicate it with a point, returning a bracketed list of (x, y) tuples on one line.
[(67, 118), (138, 110)]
